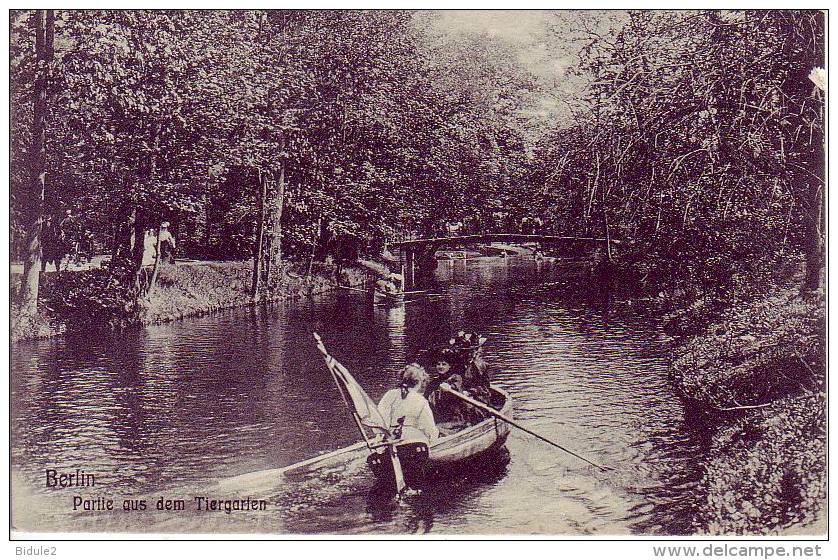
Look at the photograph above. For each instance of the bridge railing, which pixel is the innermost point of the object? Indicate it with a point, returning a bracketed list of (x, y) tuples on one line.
[(497, 237)]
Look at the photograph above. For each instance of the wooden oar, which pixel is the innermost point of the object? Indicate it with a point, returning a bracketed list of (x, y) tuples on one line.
[(355, 289), (393, 295), (508, 420), (324, 457)]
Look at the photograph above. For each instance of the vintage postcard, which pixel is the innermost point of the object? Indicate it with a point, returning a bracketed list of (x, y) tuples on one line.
[(437, 274)]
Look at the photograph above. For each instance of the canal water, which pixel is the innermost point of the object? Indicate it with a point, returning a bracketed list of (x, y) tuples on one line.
[(214, 406)]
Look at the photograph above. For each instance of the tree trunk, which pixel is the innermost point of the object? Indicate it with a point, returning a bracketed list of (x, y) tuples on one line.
[(268, 231), (608, 252), (49, 36), (260, 234), (152, 172), (594, 187), (137, 252), (815, 242), (123, 235), (156, 268), (207, 233), (276, 240), (30, 285), (815, 249)]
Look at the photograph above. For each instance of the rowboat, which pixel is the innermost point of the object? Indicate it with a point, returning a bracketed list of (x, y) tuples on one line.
[(387, 298), (394, 298), (400, 464), (448, 451), (405, 463)]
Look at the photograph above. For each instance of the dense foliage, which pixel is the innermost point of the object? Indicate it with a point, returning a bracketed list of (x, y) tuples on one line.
[(767, 472), (760, 373), (698, 142), (268, 133), (175, 115), (770, 349), (701, 142)]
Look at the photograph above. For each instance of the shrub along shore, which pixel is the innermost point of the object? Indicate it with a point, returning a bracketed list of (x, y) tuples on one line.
[(79, 300), (756, 380), (194, 290)]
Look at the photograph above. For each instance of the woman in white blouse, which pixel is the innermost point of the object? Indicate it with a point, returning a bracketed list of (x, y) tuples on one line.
[(406, 410)]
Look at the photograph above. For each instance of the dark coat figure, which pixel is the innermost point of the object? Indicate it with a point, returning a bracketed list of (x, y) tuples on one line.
[(464, 370), (476, 380), (167, 244), (447, 408)]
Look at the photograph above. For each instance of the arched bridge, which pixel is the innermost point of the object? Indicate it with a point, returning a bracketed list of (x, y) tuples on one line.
[(419, 251), (417, 245)]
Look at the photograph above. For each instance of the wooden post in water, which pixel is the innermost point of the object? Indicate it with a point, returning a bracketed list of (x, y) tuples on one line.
[(409, 268)]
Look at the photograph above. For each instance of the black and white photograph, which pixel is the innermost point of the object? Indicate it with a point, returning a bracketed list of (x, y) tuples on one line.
[(498, 274)]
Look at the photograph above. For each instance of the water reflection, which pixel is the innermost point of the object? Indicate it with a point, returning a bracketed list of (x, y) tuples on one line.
[(184, 405)]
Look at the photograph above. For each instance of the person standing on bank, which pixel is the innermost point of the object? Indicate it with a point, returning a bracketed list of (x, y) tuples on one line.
[(167, 243), (406, 410)]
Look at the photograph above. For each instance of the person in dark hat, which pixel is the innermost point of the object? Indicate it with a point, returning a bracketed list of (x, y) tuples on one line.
[(448, 409), (441, 364), (467, 347)]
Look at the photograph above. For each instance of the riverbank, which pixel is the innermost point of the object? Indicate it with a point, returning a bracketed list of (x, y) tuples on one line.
[(756, 380), (187, 289), (753, 381)]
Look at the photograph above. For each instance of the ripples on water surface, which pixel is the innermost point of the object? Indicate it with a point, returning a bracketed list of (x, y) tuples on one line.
[(187, 408)]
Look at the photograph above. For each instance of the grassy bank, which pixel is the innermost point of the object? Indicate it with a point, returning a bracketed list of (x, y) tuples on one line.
[(83, 299), (186, 290), (757, 379)]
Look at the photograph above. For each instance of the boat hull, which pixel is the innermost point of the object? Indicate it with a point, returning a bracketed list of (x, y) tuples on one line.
[(449, 451), (384, 298), (474, 440)]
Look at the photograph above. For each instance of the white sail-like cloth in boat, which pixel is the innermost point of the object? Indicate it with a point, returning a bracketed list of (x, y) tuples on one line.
[(365, 408)]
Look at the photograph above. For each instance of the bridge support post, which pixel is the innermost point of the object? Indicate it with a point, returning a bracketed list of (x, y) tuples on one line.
[(409, 268)]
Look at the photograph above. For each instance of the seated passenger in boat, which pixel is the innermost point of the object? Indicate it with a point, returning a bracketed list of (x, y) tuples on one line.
[(397, 280), (386, 286), (452, 414), (467, 348), (406, 410), (411, 422)]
